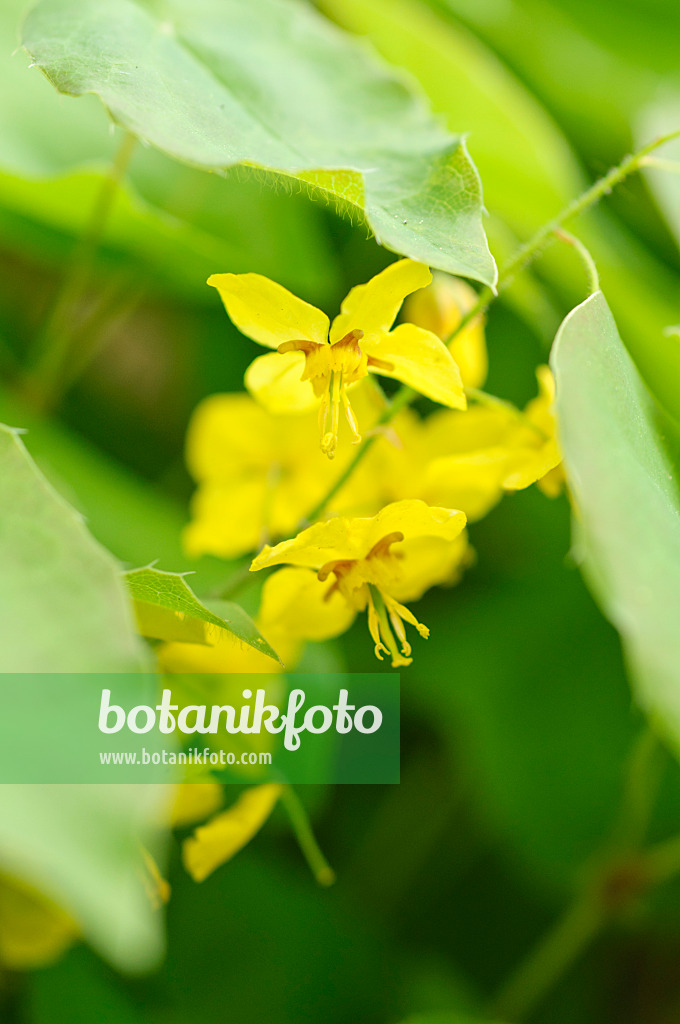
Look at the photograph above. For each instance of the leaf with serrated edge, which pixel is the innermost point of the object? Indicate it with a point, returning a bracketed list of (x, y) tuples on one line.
[(63, 608), (274, 85), (168, 609)]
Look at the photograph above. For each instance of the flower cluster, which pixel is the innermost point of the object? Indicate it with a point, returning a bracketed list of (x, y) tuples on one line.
[(387, 527), (367, 532)]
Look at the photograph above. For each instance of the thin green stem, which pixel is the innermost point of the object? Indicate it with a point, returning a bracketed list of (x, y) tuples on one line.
[(659, 164), (55, 344), (643, 778), (531, 249), (403, 398), (302, 828), (555, 954), (662, 861), (525, 255), (618, 874), (585, 257)]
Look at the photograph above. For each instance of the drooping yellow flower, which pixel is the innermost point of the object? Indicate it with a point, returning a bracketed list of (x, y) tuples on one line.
[(316, 362), (535, 455), (224, 835), (439, 308), (258, 475), (376, 563)]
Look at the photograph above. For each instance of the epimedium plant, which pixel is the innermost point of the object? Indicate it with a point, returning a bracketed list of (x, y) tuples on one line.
[(370, 514)]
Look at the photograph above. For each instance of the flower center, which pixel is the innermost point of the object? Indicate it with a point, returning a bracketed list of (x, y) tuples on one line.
[(365, 583), (330, 369)]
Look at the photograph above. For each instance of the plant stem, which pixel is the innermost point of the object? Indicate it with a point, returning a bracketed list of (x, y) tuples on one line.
[(643, 778), (299, 819), (525, 255), (618, 874), (663, 860), (659, 164), (586, 258), (528, 252), (553, 956), (55, 344), (403, 397)]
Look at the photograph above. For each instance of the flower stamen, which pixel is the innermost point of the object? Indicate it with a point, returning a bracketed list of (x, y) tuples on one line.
[(374, 629), (385, 637), (330, 369)]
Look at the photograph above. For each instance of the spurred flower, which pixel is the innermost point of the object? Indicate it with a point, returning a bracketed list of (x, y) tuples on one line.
[(316, 362), (375, 564)]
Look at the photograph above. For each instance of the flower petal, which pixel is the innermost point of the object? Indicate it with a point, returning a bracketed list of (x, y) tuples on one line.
[(226, 657), (345, 538), (295, 601), (194, 801), (215, 843), (33, 931), (421, 360), (267, 312), (373, 307), (527, 466), (274, 380), (226, 519), (472, 482), (415, 520), (439, 308), (228, 434), (430, 562)]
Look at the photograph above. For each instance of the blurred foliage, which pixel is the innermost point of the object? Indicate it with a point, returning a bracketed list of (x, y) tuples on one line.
[(517, 717)]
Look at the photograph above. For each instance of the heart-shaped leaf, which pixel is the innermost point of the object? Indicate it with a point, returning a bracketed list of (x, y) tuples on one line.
[(273, 85)]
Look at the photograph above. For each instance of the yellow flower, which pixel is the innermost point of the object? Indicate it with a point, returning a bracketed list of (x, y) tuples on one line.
[(34, 931), (215, 843), (452, 459), (194, 801), (375, 563), (439, 308), (259, 474), (535, 456), (226, 654), (468, 460), (316, 361)]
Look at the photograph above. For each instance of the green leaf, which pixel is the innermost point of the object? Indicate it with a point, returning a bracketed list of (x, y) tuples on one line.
[(528, 167), (63, 608), (175, 223), (518, 148), (621, 460), (168, 609), (273, 85), (108, 495)]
